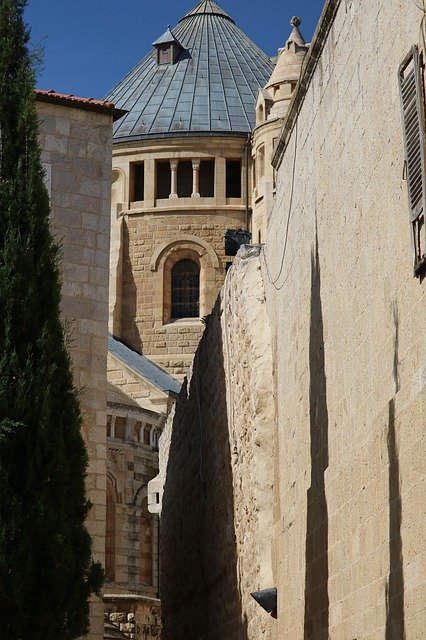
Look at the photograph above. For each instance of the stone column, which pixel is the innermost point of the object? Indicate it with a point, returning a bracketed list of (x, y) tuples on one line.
[(220, 186), (174, 167), (113, 426), (195, 178)]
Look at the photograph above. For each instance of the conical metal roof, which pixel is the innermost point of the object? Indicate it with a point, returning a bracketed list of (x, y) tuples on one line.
[(211, 88)]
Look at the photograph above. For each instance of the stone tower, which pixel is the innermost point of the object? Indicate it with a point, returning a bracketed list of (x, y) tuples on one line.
[(180, 180), (271, 108)]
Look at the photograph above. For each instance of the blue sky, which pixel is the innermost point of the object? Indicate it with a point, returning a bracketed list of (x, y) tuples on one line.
[(91, 44)]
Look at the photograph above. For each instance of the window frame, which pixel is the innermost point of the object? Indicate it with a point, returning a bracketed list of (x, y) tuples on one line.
[(186, 304), (414, 132)]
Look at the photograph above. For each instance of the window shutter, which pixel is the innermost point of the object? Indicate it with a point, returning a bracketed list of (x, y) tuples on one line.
[(413, 118)]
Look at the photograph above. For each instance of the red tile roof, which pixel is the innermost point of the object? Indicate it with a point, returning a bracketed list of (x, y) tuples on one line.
[(76, 102)]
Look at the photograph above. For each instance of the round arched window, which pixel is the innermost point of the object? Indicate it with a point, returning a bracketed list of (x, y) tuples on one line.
[(185, 290)]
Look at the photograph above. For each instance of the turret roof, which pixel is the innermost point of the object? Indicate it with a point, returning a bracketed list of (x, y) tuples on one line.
[(210, 89), (290, 57)]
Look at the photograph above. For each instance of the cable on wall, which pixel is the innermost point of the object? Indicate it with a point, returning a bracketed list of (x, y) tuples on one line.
[(273, 281)]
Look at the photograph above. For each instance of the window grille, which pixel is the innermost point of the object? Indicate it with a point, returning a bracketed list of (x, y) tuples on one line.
[(185, 290), (413, 118)]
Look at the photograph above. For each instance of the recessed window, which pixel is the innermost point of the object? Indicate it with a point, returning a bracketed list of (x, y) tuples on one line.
[(163, 179), (138, 182), (207, 169), (120, 426), (147, 435), (233, 178), (184, 179), (261, 161), (108, 426), (185, 290)]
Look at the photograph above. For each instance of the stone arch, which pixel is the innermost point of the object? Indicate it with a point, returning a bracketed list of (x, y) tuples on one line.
[(140, 495), (113, 483), (168, 246), (162, 262)]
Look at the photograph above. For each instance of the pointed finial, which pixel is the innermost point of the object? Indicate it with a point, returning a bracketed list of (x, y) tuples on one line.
[(295, 21)]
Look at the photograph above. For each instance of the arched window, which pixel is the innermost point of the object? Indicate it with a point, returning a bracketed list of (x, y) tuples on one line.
[(185, 290)]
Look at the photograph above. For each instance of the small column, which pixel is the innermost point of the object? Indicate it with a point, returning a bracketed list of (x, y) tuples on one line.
[(174, 167), (113, 426), (195, 179)]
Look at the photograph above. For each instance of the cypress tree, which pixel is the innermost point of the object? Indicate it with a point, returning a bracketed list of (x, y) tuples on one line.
[(46, 569)]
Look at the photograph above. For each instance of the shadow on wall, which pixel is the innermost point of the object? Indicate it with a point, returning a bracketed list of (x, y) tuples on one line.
[(395, 621), (199, 583), (129, 329), (316, 578)]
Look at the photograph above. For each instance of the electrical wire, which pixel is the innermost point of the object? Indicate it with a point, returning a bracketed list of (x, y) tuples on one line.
[(422, 8), (273, 281)]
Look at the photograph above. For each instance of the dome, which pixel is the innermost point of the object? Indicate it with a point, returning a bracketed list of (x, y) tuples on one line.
[(209, 85)]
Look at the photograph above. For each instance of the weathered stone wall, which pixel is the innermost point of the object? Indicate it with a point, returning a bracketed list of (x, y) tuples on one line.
[(347, 320), (76, 148), (218, 498)]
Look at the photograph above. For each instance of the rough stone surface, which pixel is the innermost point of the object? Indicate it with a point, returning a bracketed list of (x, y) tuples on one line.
[(218, 494)]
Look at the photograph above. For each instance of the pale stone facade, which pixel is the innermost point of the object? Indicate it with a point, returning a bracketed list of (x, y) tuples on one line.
[(271, 108), (76, 142), (341, 353), (217, 507), (347, 320), (139, 397), (150, 236)]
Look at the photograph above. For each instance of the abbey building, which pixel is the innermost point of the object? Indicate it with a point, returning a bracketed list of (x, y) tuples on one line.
[(268, 487)]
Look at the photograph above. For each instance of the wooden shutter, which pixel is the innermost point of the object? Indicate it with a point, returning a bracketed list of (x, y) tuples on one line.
[(413, 118)]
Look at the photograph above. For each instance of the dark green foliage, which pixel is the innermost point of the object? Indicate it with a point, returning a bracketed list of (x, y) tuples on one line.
[(46, 569)]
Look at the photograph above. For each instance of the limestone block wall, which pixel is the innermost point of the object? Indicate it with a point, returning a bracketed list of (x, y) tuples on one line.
[(76, 146), (347, 320), (144, 293), (150, 235), (217, 504), (131, 465)]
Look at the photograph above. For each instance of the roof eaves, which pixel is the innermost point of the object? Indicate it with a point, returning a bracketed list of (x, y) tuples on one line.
[(77, 102), (144, 367)]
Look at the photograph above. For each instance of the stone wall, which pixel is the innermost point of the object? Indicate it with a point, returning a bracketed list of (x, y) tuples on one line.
[(150, 236), (218, 499), (343, 406), (347, 321), (134, 617), (76, 150)]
